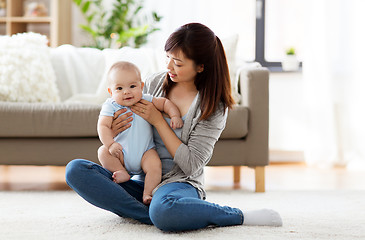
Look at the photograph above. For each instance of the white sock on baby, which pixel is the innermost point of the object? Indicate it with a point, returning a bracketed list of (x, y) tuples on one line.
[(262, 217)]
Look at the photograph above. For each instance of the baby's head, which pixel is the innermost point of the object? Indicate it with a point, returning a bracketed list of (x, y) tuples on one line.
[(124, 83)]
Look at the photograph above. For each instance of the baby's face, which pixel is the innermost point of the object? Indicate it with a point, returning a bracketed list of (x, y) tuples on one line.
[(125, 87)]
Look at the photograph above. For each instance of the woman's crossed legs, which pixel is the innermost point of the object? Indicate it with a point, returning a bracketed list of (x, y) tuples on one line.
[(174, 207)]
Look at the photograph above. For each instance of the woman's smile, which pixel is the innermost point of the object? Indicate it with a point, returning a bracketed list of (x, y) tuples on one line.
[(172, 75)]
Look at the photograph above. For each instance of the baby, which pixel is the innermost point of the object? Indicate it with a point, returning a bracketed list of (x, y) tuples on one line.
[(132, 151)]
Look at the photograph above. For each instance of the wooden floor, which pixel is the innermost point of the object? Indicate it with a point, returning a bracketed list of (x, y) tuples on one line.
[(294, 176)]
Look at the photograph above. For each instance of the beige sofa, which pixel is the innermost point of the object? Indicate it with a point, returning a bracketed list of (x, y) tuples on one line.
[(55, 133)]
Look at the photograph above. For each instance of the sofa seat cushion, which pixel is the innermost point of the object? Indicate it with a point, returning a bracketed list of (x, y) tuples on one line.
[(80, 120), (237, 123), (48, 120)]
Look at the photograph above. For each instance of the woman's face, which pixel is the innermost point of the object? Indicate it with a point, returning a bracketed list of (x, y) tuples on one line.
[(180, 68)]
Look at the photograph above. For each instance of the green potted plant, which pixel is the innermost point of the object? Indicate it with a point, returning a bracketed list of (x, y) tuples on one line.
[(290, 61), (122, 25)]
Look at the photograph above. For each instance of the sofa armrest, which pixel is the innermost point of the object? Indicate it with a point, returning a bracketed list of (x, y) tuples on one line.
[(254, 89)]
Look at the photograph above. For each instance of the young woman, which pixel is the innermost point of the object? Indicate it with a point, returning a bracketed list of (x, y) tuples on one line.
[(197, 82)]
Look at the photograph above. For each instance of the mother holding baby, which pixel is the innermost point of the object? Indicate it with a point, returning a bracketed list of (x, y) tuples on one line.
[(197, 81)]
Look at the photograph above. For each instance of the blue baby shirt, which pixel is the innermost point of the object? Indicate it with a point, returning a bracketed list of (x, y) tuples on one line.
[(135, 140)]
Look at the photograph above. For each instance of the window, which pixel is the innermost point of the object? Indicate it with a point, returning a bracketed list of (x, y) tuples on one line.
[(224, 18), (279, 26)]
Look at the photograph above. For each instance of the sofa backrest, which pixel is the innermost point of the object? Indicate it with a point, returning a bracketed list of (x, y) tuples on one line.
[(83, 70)]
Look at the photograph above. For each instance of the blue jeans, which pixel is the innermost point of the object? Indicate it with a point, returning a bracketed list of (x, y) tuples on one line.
[(174, 206)]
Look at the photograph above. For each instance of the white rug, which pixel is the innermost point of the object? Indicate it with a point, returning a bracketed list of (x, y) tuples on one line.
[(64, 215)]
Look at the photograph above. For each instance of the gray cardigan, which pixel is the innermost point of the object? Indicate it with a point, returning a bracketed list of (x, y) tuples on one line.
[(198, 139)]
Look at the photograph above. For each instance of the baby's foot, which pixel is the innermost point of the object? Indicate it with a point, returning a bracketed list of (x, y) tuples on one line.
[(147, 199), (121, 176), (262, 217)]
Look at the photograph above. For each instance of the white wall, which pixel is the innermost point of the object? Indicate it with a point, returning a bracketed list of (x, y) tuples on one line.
[(79, 38), (287, 118)]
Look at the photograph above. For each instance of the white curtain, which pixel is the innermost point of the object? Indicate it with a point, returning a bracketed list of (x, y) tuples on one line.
[(334, 75)]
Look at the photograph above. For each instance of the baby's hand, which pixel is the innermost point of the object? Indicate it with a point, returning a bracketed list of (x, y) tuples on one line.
[(115, 149), (176, 122)]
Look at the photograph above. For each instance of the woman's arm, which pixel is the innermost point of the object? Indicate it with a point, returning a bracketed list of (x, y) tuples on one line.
[(198, 150), (169, 138)]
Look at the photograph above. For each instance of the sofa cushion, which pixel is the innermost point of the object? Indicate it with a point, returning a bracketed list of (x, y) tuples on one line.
[(79, 120), (48, 120), (73, 66), (77, 83), (237, 123)]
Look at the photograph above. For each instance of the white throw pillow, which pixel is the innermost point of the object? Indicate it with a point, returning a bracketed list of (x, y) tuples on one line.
[(78, 70), (144, 58), (26, 73)]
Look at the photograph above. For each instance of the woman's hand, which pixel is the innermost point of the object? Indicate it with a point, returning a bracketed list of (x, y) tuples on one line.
[(122, 122), (148, 112)]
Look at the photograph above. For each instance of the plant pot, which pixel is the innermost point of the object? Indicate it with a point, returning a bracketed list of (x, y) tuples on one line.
[(290, 63)]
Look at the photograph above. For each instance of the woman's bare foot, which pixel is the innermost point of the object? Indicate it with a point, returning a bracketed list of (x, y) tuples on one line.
[(147, 199), (121, 176)]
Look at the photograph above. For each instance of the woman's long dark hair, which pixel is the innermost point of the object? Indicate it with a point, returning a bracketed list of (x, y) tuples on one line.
[(201, 45)]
